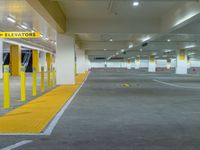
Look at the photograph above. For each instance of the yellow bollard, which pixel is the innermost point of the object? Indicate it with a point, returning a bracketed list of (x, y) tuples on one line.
[(6, 83), (42, 80), (49, 78), (34, 82), (23, 83), (54, 77)]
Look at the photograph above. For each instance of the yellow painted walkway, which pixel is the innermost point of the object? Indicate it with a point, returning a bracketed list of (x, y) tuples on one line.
[(34, 116)]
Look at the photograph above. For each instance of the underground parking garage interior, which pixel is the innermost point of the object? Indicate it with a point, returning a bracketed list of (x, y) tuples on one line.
[(100, 74)]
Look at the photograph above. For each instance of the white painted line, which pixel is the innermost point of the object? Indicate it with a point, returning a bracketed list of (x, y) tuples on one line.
[(53, 123), (17, 145), (175, 85), (55, 120)]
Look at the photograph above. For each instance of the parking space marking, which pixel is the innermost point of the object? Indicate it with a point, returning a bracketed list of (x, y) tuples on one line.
[(175, 85), (16, 145)]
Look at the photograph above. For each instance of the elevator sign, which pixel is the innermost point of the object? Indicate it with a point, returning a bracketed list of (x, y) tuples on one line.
[(17, 35)]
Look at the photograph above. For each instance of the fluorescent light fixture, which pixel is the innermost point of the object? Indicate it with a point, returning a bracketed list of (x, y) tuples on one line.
[(111, 40), (122, 50), (41, 35), (191, 53), (24, 26), (168, 40), (130, 46), (136, 3), (11, 19), (117, 53), (146, 39), (168, 50), (141, 50), (18, 26), (190, 46), (105, 49)]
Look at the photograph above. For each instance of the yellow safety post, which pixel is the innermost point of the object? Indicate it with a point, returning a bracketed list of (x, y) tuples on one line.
[(49, 62), (23, 83), (54, 77), (42, 80), (34, 82), (15, 60), (6, 83), (35, 60)]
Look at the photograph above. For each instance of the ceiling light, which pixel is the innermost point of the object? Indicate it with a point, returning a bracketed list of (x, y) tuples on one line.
[(18, 26), (135, 3), (168, 40), (41, 35), (122, 50), (190, 46), (130, 46), (141, 50), (117, 53), (105, 49), (146, 39), (11, 19), (168, 50), (24, 26), (111, 40), (46, 38)]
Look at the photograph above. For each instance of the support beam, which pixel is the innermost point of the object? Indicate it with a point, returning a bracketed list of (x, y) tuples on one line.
[(80, 61), (35, 60), (1, 59), (51, 12), (15, 60), (152, 64), (43, 61), (65, 60), (137, 62), (181, 62)]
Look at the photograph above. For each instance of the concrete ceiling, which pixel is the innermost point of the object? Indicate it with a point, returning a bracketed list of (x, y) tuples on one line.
[(24, 14), (95, 22)]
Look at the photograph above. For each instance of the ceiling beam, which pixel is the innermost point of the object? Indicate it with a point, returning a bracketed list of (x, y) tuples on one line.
[(51, 12)]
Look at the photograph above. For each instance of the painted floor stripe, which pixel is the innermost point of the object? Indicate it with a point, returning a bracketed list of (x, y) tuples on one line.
[(55, 120), (175, 85), (17, 145), (53, 123)]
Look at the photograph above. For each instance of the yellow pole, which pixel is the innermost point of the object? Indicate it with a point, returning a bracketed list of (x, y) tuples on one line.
[(15, 60), (35, 60), (54, 77), (34, 82), (49, 62), (6, 83), (23, 83), (49, 78), (42, 79)]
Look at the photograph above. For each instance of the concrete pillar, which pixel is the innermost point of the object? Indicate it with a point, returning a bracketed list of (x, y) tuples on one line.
[(80, 61), (88, 64), (65, 60), (129, 64), (181, 62), (43, 62), (168, 65), (188, 63), (35, 60), (137, 62), (1, 59), (152, 64), (15, 60)]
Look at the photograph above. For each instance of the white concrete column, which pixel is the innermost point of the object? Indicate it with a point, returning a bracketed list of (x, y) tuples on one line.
[(65, 60), (80, 60), (188, 63), (137, 62), (152, 64), (1, 59), (181, 62), (129, 64), (168, 65), (43, 61), (88, 64)]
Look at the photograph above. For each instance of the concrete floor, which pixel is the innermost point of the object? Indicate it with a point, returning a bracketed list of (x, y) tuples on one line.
[(146, 115), (15, 91)]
